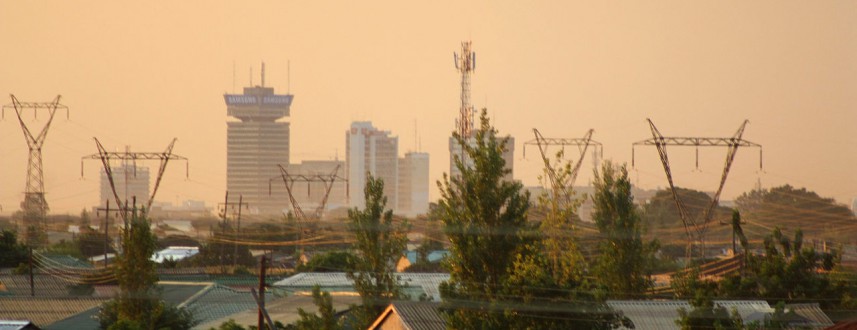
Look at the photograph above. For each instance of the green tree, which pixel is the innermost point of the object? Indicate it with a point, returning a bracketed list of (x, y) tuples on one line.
[(626, 261), (379, 243), (13, 253), (334, 261), (786, 271), (789, 207), (138, 304), (85, 220), (326, 318), (484, 217), (661, 211)]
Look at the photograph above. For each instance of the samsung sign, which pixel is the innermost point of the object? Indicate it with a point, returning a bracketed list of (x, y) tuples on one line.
[(253, 100)]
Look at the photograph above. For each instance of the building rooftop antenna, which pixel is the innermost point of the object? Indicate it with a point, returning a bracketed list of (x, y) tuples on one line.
[(263, 74)]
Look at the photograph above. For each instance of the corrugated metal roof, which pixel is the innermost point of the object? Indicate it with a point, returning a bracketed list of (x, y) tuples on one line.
[(647, 314), (15, 325), (662, 314), (428, 282), (813, 313), (419, 315), (45, 310), (217, 302)]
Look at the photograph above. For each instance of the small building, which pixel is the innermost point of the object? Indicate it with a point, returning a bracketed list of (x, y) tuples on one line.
[(410, 315), (410, 258), (175, 253), (17, 325)]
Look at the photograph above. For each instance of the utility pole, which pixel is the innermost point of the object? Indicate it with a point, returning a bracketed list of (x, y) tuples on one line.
[(261, 302), (106, 226), (34, 206), (226, 205), (30, 262)]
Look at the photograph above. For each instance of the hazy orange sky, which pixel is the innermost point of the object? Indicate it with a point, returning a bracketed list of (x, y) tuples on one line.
[(141, 73)]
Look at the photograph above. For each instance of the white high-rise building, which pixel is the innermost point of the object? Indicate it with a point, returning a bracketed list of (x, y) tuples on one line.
[(256, 143), (413, 184), (373, 151), (455, 150), (130, 182)]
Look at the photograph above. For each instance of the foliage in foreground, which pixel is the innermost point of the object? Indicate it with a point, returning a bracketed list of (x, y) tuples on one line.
[(138, 304), (379, 243), (504, 271), (625, 265)]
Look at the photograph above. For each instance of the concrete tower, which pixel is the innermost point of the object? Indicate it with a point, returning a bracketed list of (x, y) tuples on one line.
[(255, 144)]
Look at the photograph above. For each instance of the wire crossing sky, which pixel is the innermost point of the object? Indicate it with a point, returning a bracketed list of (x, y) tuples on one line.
[(141, 74)]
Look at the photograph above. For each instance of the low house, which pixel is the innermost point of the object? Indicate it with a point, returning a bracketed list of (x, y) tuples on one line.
[(410, 315), (17, 325), (175, 253), (410, 258)]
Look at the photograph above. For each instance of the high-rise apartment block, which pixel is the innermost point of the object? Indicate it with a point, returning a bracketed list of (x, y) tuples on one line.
[(455, 151), (256, 142), (372, 151), (130, 182), (413, 184)]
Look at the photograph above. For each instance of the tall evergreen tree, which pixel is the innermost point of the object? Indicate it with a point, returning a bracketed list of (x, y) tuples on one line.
[(625, 263), (380, 243), (484, 217), (139, 303)]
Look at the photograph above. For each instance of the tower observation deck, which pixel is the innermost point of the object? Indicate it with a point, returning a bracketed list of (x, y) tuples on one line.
[(255, 144)]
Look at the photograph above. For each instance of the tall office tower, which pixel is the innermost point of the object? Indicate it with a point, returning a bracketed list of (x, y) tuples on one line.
[(413, 184), (256, 143), (370, 150), (130, 182)]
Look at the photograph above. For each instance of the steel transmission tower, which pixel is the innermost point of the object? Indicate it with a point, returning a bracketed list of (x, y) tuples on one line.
[(582, 145), (695, 228), (35, 206), (465, 63), (328, 181), (105, 157)]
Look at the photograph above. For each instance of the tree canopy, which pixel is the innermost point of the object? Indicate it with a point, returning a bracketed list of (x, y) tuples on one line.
[(625, 264), (379, 243)]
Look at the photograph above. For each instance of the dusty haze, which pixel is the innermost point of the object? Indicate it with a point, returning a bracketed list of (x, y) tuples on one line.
[(140, 74)]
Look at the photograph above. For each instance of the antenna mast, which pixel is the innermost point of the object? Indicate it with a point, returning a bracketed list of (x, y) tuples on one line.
[(465, 63)]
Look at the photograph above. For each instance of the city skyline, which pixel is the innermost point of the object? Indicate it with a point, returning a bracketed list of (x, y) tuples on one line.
[(160, 72)]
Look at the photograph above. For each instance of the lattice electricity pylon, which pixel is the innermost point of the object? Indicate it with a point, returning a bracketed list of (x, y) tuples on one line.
[(696, 228), (106, 156), (290, 179), (35, 206), (582, 145)]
